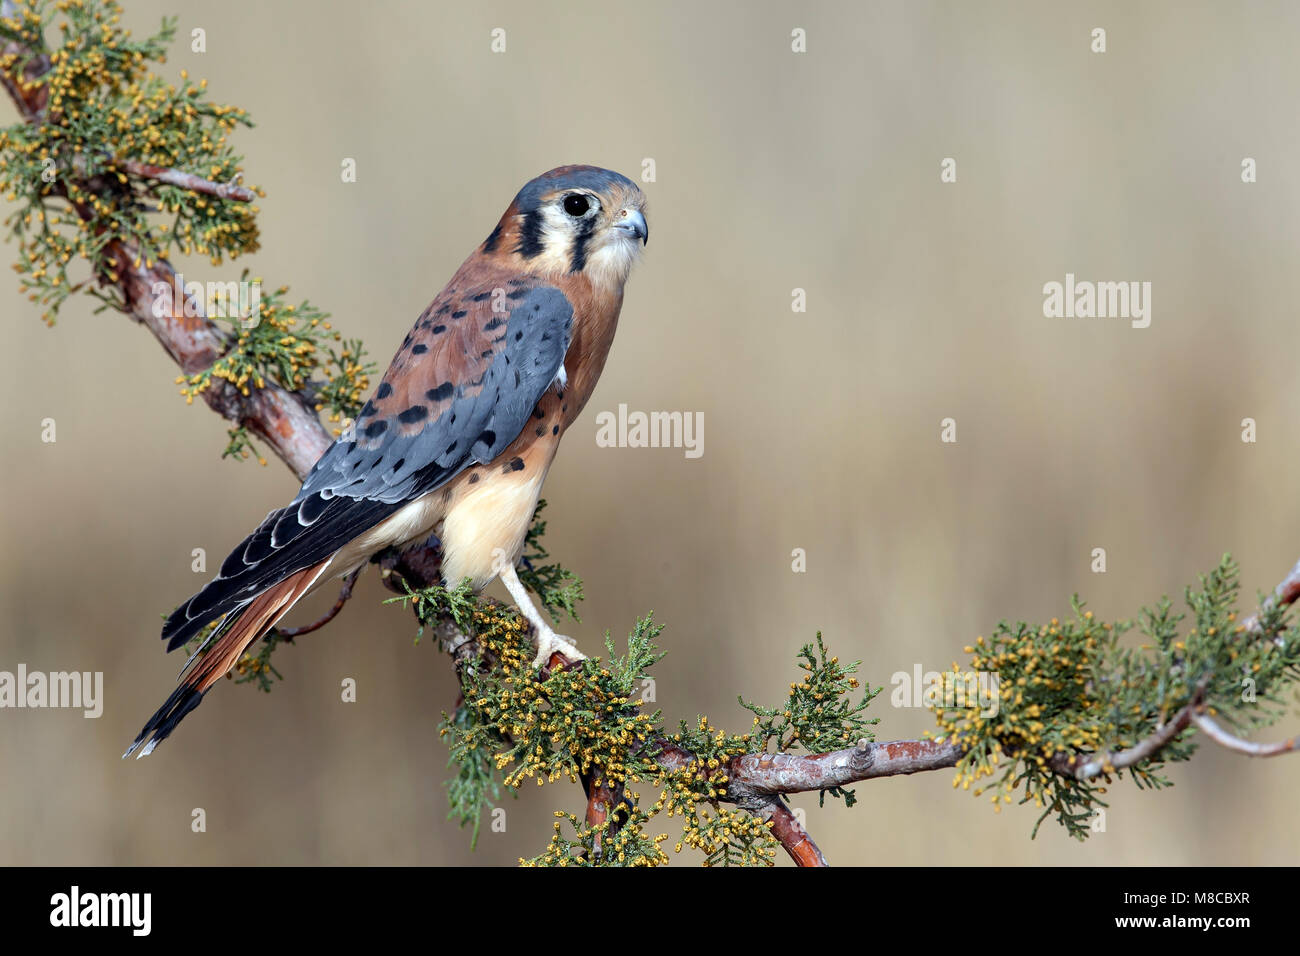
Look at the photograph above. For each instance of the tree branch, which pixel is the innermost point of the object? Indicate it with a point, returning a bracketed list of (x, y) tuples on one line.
[(195, 184), (767, 774), (1286, 593), (29, 96), (604, 801), (1220, 736), (792, 836), (284, 420), (1087, 766)]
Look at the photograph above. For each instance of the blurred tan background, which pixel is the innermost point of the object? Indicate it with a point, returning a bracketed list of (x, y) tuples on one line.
[(774, 171)]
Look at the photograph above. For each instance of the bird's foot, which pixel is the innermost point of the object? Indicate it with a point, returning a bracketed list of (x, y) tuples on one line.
[(548, 643)]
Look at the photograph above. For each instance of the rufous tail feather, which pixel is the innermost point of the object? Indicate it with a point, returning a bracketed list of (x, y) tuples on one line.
[(252, 624)]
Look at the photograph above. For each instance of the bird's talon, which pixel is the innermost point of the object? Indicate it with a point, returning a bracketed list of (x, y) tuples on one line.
[(548, 643)]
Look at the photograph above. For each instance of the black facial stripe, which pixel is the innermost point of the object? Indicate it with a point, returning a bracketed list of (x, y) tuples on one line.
[(579, 260), (530, 236)]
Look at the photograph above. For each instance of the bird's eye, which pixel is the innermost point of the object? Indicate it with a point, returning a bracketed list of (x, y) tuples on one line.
[(576, 204)]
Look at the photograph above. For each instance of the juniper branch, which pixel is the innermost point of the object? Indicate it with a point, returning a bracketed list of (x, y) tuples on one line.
[(1085, 767), (791, 834), (1088, 766), (1220, 736), (195, 184)]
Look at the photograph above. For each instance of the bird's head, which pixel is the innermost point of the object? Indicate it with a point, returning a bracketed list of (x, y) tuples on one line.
[(575, 219)]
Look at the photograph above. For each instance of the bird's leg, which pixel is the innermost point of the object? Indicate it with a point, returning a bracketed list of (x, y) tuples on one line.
[(548, 642)]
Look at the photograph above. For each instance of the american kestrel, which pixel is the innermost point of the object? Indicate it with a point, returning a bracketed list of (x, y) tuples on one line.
[(456, 440)]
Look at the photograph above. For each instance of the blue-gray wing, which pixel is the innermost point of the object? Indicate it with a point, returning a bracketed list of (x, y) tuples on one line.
[(459, 391)]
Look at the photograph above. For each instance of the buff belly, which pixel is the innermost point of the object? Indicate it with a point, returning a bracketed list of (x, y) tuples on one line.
[(485, 527)]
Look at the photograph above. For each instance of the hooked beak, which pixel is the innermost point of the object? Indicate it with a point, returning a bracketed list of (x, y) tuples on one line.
[(633, 224)]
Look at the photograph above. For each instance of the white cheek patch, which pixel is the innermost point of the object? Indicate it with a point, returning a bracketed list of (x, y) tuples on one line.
[(556, 241)]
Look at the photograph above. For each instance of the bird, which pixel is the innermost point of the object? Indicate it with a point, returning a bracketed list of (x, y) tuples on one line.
[(457, 438)]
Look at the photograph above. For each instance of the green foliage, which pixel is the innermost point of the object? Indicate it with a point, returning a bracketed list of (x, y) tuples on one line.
[(628, 845), (590, 721), (105, 106), (254, 666), (437, 603), (240, 445), (587, 721), (508, 719), (346, 375), (1070, 690), (694, 793), (572, 722), (819, 715), (477, 785), (513, 726), (286, 345)]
